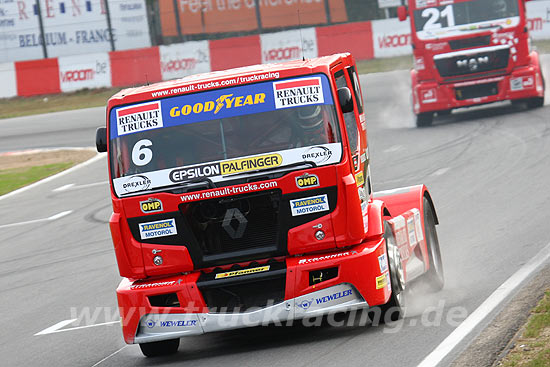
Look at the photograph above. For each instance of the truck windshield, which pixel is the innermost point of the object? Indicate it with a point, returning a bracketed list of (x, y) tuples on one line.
[(464, 16), (217, 135)]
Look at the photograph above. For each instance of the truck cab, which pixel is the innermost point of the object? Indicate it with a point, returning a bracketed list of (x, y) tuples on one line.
[(247, 192), (470, 52)]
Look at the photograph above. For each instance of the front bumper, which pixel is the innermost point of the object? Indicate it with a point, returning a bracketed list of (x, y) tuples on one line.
[(359, 283), (522, 83)]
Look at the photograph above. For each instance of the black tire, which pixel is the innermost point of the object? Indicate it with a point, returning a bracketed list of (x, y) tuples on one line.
[(535, 102), (393, 310), (444, 112), (424, 119), (161, 348), (434, 277)]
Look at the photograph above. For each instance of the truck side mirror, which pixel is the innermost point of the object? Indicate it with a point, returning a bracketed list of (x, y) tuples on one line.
[(101, 139), (402, 13), (345, 99)]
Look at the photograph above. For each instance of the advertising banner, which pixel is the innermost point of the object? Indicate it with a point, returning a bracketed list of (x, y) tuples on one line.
[(391, 38), (84, 71), (179, 60), (72, 27), (288, 45), (538, 19)]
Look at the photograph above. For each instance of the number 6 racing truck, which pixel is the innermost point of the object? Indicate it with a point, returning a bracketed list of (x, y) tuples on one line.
[(470, 52), (243, 198)]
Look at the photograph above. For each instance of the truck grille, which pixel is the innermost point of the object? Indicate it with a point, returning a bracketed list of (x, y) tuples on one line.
[(471, 42), (476, 61), (235, 227)]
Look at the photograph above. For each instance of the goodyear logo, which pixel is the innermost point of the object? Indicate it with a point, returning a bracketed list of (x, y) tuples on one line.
[(159, 228), (382, 281), (151, 205), (224, 101), (251, 164), (237, 273), (307, 180), (309, 205)]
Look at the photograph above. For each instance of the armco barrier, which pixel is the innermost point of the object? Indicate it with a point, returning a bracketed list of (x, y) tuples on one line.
[(365, 40)]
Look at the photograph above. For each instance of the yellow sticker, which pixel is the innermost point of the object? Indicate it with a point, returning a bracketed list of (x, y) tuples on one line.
[(360, 179), (382, 281), (251, 164), (237, 273)]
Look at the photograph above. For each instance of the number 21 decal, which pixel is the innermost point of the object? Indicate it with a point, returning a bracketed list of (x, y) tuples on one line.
[(434, 16)]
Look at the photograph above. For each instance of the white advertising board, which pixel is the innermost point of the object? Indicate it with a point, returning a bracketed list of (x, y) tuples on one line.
[(179, 60), (388, 3), (8, 87), (538, 19), (84, 71), (71, 27), (288, 45), (391, 38)]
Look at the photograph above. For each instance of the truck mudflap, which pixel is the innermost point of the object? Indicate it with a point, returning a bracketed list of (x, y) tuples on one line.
[(338, 298)]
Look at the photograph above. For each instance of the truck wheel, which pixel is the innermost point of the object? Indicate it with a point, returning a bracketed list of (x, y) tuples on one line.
[(161, 348), (434, 276), (535, 102), (424, 119), (444, 112), (393, 309)]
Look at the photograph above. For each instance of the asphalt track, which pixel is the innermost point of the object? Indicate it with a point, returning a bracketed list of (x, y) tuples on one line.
[(487, 169)]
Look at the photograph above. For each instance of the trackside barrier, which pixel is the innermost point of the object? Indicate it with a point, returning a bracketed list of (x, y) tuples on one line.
[(365, 40)]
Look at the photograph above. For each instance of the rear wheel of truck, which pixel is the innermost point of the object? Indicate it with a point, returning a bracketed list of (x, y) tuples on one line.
[(424, 119), (161, 348), (393, 309), (537, 102), (434, 276)]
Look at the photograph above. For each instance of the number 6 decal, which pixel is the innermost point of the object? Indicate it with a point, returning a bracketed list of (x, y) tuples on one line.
[(140, 154)]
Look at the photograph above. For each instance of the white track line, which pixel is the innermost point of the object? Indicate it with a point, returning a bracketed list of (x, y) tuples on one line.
[(76, 187), (109, 356), (57, 328), (60, 174), (53, 217), (499, 295)]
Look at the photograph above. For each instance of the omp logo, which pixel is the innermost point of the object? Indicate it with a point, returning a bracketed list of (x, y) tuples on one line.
[(392, 41), (251, 164), (237, 273), (77, 75), (159, 228), (307, 180), (151, 205), (179, 64), (224, 101)]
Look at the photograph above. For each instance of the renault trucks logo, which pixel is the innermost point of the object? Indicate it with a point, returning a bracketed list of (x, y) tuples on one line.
[(472, 64), (318, 154), (159, 228), (298, 92), (138, 118), (309, 205), (151, 205)]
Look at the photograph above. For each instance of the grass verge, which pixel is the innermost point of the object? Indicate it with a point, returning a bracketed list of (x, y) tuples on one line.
[(532, 349), (15, 178)]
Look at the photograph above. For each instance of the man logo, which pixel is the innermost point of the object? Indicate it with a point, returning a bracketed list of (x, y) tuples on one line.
[(306, 181), (151, 205)]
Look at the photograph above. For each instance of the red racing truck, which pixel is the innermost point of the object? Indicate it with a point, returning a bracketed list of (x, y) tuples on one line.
[(470, 52), (243, 198)]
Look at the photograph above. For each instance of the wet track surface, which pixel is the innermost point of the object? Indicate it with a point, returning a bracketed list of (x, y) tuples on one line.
[(487, 171)]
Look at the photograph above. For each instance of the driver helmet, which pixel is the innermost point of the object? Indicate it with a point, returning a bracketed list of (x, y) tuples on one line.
[(310, 117)]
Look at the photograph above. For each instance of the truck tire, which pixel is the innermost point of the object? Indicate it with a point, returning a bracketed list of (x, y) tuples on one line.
[(161, 348), (434, 276), (424, 119), (393, 310), (537, 102)]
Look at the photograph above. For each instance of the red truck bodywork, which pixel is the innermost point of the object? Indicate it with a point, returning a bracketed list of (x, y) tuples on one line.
[(473, 63), (167, 300)]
